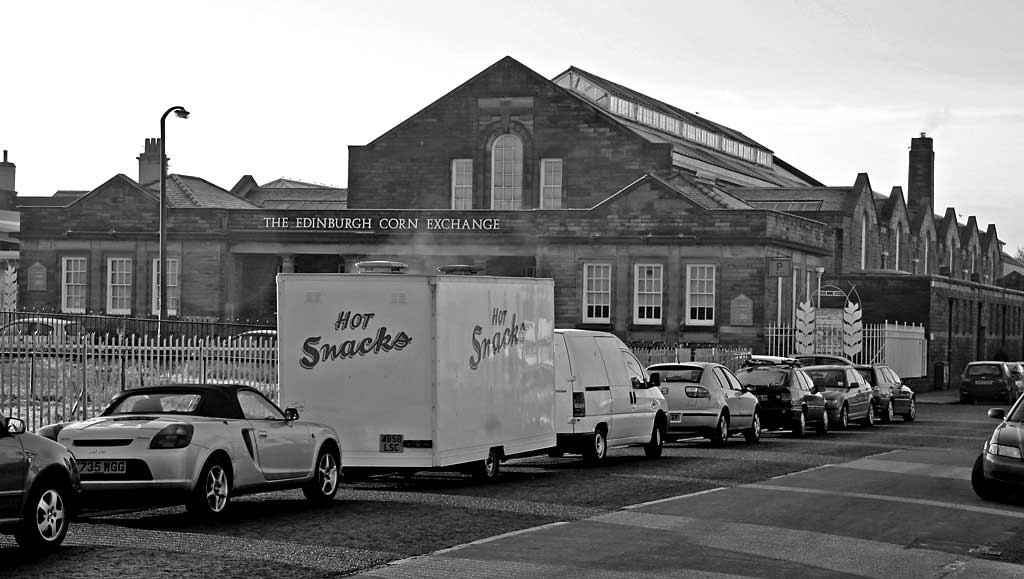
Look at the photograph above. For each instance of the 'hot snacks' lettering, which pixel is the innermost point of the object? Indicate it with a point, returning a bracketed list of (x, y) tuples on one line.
[(315, 352)]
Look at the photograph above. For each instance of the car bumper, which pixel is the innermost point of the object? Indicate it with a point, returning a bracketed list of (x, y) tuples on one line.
[(157, 471), (985, 392), (1004, 469), (779, 417), (689, 422)]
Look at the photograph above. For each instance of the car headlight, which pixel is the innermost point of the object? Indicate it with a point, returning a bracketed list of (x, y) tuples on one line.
[(173, 436), (1004, 450)]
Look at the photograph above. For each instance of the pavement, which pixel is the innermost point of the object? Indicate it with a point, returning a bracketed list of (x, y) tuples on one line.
[(947, 396)]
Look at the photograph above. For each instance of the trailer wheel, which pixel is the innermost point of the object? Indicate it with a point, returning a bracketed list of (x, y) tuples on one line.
[(488, 468)]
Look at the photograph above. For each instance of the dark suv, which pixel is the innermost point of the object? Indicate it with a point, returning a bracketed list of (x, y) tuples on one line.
[(39, 487), (989, 379), (786, 396)]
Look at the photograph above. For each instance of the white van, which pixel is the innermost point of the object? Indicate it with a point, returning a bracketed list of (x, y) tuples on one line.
[(603, 397)]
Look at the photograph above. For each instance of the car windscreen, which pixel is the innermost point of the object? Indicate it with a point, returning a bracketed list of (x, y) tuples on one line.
[(762, 377), (828, 378), (679, 373), (868, 375), (983, 371), (156, 403)]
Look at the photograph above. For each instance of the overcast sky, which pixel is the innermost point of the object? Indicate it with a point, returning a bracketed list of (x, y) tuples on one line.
[(280, 89)]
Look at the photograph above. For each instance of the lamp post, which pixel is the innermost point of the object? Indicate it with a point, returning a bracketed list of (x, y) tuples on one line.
[(182, 113), (819, 270)]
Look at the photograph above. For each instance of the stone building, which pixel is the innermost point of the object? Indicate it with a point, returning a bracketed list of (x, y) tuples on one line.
[(655, 223)]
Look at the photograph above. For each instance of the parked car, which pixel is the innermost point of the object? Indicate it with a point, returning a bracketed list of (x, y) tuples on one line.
[(999, 471), (989, 379), (41, 330), (821, 359), (787, 397), (39, 487), (847, 395), (199, 445), (706, 398), (262, 337), (884, 386)]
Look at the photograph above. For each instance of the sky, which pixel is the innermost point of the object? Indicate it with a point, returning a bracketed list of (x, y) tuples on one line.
[(281, 89)]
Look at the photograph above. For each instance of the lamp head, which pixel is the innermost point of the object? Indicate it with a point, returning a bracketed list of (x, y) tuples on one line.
[(182, 113)]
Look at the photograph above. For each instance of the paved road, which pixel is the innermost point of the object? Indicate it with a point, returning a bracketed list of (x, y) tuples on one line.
[(889, 501)]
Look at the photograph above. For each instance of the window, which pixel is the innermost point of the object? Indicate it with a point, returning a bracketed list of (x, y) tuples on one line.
[(507, 173), (700, 295), (72, 288), (647, 294), (173, 289), (462, 183), (256, 407), (896, 260), (864, 242), (926, 240), (119, 285), (597, 293), (550, 183)]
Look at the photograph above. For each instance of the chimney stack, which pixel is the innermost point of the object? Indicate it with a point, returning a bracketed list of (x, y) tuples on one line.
[(921, 173), (7, 193), (149, 162)]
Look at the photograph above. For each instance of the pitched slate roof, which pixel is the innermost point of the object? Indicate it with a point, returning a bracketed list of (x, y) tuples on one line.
[(184, 191), (781, 174), (59, 199), (699, 192)]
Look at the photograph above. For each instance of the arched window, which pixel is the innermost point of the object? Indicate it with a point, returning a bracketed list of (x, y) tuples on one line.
[(926, 240), (507, 173), (896, 262), (864, 241)]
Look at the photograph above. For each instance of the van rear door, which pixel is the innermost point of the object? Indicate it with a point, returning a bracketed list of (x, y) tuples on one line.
[(591, 381)]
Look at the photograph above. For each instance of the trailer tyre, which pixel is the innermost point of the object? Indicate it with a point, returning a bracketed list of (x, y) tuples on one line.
[(488, 468)]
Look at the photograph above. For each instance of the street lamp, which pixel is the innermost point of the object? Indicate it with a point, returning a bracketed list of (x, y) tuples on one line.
[(182, 113), (819, 270)]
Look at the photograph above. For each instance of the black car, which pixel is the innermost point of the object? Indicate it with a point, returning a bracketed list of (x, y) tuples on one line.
[(999, 471), (39, 487), (890, 396), (989, 379), (786, 396)]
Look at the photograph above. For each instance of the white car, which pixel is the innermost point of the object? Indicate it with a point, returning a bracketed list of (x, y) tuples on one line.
[(199, 445), (706, 399)]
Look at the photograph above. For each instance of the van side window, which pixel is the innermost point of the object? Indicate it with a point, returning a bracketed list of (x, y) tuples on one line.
[(634, 370)]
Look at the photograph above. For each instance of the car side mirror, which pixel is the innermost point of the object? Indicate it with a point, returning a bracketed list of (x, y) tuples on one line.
[(814, 389), (14, 426), (997, 413), (291, 414), (655, 379)]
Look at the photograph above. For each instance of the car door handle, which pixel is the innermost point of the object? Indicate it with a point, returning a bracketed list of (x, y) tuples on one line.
[(261, 433)]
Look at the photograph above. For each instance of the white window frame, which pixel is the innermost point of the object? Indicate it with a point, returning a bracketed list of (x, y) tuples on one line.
[(113, 284), (551, 183), (173, 289), (694, 270), (501, 167), (593, 290), (66, 271), (462, 183), (648, 290)]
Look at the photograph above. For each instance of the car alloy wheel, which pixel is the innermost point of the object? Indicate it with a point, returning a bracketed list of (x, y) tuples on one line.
[(324, 483), (45, 522), (213, 492), (911, 413), (869, 419), (721, 433), (753, 434), (889, 413), (844, 417)]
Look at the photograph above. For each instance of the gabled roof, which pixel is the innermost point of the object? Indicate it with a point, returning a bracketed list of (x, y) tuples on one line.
[(184, 191), (283, 183), (290, 194), (918, 214), (990, 239), (948, 226), (699, 193), (969, 231)]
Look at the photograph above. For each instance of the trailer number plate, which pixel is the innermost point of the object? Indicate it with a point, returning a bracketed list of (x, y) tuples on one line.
[(391, 443)]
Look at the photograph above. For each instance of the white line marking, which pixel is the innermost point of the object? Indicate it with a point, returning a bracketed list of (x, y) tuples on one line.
[(686, 496), (479, 542), (925, 502), (800, 471)]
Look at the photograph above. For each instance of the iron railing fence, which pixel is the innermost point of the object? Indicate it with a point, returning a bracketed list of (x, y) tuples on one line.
[(46, 381), (731, 357), (903, 347), (123, 327)]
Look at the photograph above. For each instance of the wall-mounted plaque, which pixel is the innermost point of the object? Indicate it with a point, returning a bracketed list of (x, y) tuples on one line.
[(37, 277), (741, 311)]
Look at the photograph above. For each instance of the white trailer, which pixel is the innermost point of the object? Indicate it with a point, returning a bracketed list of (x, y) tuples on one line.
[(420, 371)]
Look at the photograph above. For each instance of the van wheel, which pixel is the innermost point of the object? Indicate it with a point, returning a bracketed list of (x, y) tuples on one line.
[(653, 448), (597, 450), (721, 432), (488, 468)]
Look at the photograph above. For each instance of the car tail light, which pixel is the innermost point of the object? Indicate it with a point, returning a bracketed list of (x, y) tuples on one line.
[(697, 392), (785, 395), (173, 436), (579, 404)]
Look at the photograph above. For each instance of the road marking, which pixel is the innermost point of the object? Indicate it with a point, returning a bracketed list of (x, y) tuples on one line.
[(892, 499), (912, 468), (686, 496), (491, 539)]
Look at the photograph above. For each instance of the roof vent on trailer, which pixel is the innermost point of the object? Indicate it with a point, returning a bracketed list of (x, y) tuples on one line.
[(381, 267), (458, 269)]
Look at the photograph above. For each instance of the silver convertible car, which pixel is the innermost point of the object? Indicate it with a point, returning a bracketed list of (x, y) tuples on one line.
[(199, 445)]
